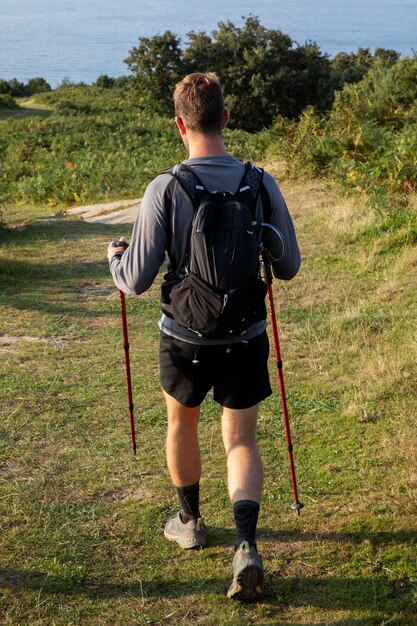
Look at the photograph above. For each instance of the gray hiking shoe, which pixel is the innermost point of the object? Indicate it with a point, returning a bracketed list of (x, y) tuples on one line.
[(189, 535), (248, 574)]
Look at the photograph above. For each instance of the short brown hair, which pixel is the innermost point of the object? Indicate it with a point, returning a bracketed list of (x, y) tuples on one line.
[(198, 101)]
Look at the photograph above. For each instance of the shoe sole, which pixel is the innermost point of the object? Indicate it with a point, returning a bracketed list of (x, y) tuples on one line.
[(248, 585), (187, 544)]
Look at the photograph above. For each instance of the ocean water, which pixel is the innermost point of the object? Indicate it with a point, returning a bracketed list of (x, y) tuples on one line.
[(81, 39)]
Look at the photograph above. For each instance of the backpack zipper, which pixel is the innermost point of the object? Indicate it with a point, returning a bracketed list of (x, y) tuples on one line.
[(225, 299)]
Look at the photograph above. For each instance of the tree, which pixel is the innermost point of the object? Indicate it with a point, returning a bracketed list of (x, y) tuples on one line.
[(37, 85), (305, 82), (251, 63), (17, 89), (157, 66), (4, 87), (265, 74), (352, 67), (104, 81)]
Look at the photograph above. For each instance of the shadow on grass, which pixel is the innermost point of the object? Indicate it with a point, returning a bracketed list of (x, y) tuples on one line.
[(225, 536), (376, 538), (58, 229), (54, 288), (335, 594), (376, 594), (31, 284), (24, 112), (18, 273)]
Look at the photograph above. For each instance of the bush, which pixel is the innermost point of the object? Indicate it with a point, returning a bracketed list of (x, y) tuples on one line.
[(18, 89), (4, 87), (37, 85), (368, 143), (375, 123), (107, 82), (352, 67), (387, 95), (7, 102), (306, 147)]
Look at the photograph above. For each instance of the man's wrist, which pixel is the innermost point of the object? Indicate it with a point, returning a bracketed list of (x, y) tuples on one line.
[(116, 249)]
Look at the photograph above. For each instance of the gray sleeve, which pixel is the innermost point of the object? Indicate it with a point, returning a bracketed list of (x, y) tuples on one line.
[(288, 264), (136, 270)]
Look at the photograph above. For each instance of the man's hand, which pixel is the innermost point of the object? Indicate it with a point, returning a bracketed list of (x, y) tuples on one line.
[(117, 247)]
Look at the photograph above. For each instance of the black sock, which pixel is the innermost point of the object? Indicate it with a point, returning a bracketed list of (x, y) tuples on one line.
[(246, 514), (190, 500)]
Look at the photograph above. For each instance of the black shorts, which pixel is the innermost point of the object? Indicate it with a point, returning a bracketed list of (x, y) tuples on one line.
[(238, 373)]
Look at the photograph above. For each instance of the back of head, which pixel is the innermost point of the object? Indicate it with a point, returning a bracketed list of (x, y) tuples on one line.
[(198, 100)]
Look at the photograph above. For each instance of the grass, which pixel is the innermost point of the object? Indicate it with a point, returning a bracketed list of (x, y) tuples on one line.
[(28, 107), (81, 518)]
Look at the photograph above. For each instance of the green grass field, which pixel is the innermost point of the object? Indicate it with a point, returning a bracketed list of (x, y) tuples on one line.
[(81, 538)]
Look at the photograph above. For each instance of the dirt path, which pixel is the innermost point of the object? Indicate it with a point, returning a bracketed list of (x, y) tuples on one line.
[(302, 199), (124, 211), (118, 212)]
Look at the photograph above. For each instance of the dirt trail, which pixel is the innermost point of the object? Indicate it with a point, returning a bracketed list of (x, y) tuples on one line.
[(118, 212), (124, 211)]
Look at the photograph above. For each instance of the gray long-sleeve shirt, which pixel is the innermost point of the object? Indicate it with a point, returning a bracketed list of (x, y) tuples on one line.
[(136, 270)]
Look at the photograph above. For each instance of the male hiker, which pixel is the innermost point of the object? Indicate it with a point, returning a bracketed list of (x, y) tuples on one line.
[(191, 363)]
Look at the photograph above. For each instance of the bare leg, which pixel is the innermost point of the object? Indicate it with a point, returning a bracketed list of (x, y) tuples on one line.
[(244, 464), (182, 446), (245, 482), (184, 464)]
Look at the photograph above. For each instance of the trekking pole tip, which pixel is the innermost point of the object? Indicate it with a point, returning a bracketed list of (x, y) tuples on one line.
[(297, 506), (134, 448)]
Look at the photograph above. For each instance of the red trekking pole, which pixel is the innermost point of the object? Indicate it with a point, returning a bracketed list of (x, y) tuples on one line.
[(127, 363), (118, 244), (296, 505)]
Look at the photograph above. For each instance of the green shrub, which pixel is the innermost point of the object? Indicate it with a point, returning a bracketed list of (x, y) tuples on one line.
[(18, 89), (375, 124), (37, 85), (108, 82), (368, 142), (97, 145), (7, 102), (386, 95), (306, 147)]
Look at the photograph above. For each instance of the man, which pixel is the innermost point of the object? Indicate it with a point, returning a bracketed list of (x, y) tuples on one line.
[(235, 367)]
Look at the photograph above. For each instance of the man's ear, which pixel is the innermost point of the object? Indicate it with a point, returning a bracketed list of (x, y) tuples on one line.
[(180, 125), (226, 116)]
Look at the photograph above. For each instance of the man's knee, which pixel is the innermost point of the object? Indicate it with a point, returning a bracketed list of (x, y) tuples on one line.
[(239, 427), (178, 413)]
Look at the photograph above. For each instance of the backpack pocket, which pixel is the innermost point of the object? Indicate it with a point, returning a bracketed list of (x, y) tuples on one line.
[(245, 305), (214, 313), (196, 306)]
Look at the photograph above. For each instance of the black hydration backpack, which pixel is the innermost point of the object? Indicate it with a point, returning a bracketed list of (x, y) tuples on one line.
[(219, 292)]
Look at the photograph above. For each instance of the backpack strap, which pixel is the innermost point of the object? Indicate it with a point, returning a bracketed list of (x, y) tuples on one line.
[(266, 205), (250, 187), (193, 188), (190, 183), (248, 191), (168, 194)]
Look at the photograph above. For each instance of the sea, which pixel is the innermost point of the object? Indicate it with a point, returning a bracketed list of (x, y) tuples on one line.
[(78, 40)]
